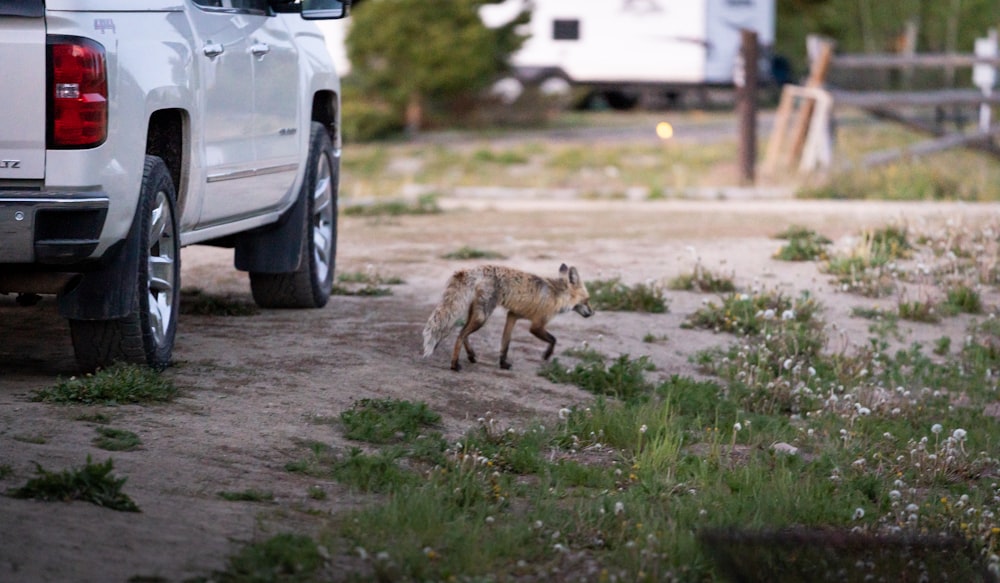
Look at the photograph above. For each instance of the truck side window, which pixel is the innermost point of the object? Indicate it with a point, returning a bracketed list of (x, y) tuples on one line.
[(209, 3)]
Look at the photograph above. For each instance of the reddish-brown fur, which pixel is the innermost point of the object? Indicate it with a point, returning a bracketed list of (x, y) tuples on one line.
[(477, 292)]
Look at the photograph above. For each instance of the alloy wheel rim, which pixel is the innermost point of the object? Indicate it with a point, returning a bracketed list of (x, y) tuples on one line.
[(162, 268), (322, 219)]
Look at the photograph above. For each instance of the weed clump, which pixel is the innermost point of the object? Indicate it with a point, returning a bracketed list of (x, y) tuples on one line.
[(91, 483), (119, 384), (615, 296)]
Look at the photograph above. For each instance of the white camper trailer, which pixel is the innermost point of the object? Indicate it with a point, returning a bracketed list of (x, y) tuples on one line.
[(637, 42), (623, 45)]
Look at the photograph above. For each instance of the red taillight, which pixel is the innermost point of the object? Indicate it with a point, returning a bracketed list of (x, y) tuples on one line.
[(78, 93)]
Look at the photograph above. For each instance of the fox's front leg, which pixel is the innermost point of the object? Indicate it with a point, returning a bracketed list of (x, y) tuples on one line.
[(542, 334), (508, 329)]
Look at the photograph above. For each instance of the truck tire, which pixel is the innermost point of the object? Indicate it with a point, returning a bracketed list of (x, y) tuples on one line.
[(309, 286), (146, 334)]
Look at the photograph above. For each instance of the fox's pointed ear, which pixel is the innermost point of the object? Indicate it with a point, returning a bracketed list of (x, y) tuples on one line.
[(574, 276), (563, 270)]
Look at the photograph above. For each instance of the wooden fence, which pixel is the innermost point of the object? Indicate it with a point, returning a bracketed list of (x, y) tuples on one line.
[(802, 137)]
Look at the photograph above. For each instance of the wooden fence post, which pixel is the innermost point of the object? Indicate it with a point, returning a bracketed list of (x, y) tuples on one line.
[(747, 106)]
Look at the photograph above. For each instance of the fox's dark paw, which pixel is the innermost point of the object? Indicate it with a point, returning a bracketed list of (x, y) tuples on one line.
[(455, 366), (472, 358), (505, 365)]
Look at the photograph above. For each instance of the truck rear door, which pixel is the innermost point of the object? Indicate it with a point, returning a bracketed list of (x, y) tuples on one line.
[(22, 117)]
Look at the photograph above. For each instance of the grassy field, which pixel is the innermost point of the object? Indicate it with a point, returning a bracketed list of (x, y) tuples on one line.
[(619, 155)]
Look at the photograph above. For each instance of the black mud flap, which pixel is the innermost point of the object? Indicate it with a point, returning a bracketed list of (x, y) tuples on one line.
[(276, 248), (110, 291)]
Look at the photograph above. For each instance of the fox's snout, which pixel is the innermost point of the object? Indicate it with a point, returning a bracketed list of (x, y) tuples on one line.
[(584, 310)]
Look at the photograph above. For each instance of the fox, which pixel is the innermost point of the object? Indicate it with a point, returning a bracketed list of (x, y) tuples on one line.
[(476, 292)]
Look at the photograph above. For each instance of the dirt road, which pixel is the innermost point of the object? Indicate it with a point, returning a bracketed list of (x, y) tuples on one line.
[(252, 388)]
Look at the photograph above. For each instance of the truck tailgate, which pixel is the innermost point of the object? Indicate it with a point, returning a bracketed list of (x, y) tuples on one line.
[(22, 114)]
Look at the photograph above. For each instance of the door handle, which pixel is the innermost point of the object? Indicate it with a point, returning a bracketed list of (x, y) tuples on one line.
[(260, 49), (213, 50)]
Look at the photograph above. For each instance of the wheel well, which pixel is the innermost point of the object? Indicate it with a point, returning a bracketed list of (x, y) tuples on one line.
[(167, 133), (324, 110)]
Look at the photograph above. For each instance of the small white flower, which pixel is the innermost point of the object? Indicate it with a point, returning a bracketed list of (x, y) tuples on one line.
[(912, 508), (858, 462), (564, 413), (619, 507), (643, 429), (959, 434), (559, 548), (788, 364), (936, 428), (864, 411), (811, 371), (788, 315), (744, 297), (490, 520), (895, 494), (859, 513), (769, 314), (382, 556), (737, 426), (538, 524)]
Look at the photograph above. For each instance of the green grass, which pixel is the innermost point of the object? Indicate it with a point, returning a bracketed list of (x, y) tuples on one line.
[(424, 205), (196, 302), (368, 278), (702, 280), (613, 295), (622, 379), (465, 253), (99, 418), (248, 495), (803, 245), (116, 439), (119, 384), (755, 313), (387, 420), (91, 483), (374, 291), (962, 299), (283, 558), (869, 268), (380, 472)]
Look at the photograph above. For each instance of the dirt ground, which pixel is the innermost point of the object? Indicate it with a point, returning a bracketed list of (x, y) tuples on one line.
[(251, 387)]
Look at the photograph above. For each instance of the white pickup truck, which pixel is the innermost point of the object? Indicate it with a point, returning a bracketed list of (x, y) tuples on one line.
[(131, 128)]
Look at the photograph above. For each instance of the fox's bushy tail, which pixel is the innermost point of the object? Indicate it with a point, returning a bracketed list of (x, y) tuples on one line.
[(454, 304)]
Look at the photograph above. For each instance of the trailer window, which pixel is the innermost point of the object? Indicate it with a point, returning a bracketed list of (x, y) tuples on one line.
[(566, 29)]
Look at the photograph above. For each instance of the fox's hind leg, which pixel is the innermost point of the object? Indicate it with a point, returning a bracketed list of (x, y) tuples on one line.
[(478, 314)]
